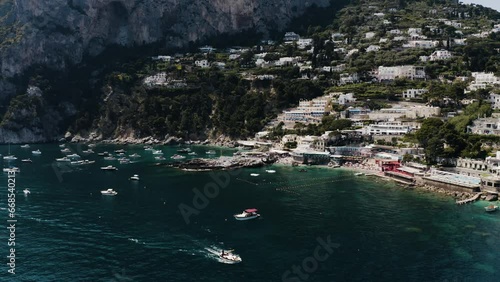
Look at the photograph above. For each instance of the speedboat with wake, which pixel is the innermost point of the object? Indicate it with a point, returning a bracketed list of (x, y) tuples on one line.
[(247, 214), (26, 191), (229, 256), (135, 177)]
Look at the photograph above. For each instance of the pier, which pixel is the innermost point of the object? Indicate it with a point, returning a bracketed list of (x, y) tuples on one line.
[(470, 200)]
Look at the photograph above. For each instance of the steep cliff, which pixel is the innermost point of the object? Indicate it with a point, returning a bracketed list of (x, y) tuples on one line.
[(59, 33)]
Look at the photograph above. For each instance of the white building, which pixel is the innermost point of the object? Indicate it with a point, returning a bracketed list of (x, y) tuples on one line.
[(395, 31), (346, 98), (373, 48), (408, 71), (413, 30), (369, 35), (495, 101), (440, 55), (163, 58), (485, 126), (386, 128), (291, 36), (346, 78), (302, 43), (308, 111), (483, 80), (202, 64), (413, 93), (424, 44), (156, 80)]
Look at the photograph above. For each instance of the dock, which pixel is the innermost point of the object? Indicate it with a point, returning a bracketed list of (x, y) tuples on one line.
[(470, 200)]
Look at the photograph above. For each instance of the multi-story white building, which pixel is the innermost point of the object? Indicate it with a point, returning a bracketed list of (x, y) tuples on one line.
[(495, 101), (485, 126), (157, 79), (413, 93), (483, 80), (424, 44), (386, 128), (440, 55), (302, 43), (308, 111), (348, 78), (391, 73), (291, 36)]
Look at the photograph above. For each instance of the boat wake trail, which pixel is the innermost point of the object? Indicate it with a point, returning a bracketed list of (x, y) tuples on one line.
[(213, 252)]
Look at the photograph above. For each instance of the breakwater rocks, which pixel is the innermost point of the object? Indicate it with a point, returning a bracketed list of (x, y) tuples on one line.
[(221, 163), (457, 195)]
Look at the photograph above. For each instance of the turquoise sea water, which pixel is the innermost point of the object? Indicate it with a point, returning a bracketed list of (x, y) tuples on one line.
[(68, 231)]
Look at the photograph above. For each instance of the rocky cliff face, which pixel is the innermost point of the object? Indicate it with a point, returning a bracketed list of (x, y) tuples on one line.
[(60, 32)]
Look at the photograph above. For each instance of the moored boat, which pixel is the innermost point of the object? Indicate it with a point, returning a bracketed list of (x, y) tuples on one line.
[(134, 177), (26, 191), (135, 155), (65, 159), (210, 152), (109, 192), (25, 146), (247, 214), (491, 208), (11, 169), (26, 161), (184, 150), (157, 152), (10, 158), (109, 167), (36, 152), (270, 171), (160, 158), (177, 157), (254, 174)]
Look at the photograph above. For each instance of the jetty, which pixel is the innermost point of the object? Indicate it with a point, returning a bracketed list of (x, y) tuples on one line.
[(470, 200)]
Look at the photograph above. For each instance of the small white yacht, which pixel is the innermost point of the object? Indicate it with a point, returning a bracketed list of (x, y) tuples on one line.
[(109, 158), (89, 151), (135, 155), (11, 169), (62, 146), (103, 153), (25, 146), (65, 159), (10, 158), (192, 154), (26, 191), (26, 161), (36, 152), (92, 145), (148, 148), (66, 150), (109, 167), (270, 171), (157, 152), (124, 161), (254, 174), (109, 192), (210, 152), (359, 174), (491, 208), (177, 157), (119, 151), (135, 177), (74, 156), (247, 214), (160, 158)]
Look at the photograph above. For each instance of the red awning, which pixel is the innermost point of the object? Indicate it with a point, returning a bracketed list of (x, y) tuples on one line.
[(251, 210)]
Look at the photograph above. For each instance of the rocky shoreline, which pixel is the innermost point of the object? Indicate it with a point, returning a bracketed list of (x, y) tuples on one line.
[(221, 163)]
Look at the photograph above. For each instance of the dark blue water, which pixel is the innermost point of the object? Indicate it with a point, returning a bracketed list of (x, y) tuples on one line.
[(68, 231)]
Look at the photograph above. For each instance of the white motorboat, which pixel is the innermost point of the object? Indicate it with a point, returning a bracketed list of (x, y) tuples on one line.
[(26, 191), (358, 174), (119, 151), (135, 177), (11, 169), (210, 152), (160, 158), (89, 151), (124, 161), (184, 150), (80, 162), (135, 155), (26, 161), (74, 156), (66, 151), (109, 167), (157, 152), (36, 152), (192, 154), (109, 158), (270, 171), (10, 158), (148, 148), (103, 154), (247, 214), (92, 145), (229, 256), (25, 146), (62, 146), (177, 157), (491, 208), (109, 192), (254, 174), (65, 159)]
